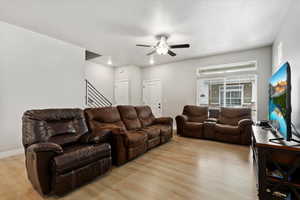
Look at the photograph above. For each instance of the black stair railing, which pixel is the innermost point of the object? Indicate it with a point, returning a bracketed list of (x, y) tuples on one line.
[(93, 98)]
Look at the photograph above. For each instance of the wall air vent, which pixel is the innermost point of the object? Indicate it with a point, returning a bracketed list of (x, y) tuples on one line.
[(91, 55)]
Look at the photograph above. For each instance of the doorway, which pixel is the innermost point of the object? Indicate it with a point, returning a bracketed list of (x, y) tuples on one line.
[(122, 92), (152, 95)]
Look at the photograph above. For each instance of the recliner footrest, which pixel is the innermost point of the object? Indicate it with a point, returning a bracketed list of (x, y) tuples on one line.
[(66, 182)]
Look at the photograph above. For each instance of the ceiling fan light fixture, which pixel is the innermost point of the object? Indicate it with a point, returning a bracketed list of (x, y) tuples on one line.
[(162, 51), (162, 47)]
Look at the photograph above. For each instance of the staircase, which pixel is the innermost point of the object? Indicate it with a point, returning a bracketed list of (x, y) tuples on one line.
[(93, 98)]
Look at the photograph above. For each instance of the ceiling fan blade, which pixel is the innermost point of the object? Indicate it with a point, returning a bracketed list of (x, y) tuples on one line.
[(178, 46), (152, 52), (171, 53), (143, 45)]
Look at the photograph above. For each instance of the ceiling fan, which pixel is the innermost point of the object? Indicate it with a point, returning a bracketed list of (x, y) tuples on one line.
[(162, 47)]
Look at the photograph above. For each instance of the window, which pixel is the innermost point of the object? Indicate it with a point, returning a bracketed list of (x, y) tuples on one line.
[(234, 87), (233, 95)]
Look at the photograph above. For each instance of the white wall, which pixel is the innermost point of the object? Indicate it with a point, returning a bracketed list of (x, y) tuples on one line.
[(289, 36), (133, 74), (179, 79), (102, 77), (35, 72)]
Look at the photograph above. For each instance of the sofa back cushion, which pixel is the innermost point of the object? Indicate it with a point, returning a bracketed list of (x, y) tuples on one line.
[(97, 118), (213, 113), (145, 115), (232, 116), (129, 117), (61, 126), (195, 113)]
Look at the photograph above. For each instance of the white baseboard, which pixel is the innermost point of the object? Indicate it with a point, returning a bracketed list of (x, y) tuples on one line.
[(12, 152)]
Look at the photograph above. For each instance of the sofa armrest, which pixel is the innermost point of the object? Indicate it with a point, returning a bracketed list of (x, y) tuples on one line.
[(38, 165), (184, 118), (117, 140), (164, 120), (119, 150), (180, 121), (245, 122), (245, 126), (45, 147)]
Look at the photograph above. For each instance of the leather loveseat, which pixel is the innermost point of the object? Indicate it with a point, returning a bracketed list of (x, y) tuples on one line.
[(232, 125), (134, 130), (60, 152)]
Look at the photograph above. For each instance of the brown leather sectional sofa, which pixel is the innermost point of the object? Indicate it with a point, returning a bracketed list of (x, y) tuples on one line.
[(232, 125), (66, 148)]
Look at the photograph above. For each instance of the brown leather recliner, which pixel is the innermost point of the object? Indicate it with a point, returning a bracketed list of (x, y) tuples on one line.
[(131, 136), (191, 122), (60, 154), (233, 126)]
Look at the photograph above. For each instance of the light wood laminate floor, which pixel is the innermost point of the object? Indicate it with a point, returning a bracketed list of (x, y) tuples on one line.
[(181, 169)]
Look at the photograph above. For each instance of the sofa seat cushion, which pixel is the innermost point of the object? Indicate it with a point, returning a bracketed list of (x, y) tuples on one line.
[(193, 126), (136, 138), (193, 129), (152, 131), (165, 130), (227, 129), (77, 156)]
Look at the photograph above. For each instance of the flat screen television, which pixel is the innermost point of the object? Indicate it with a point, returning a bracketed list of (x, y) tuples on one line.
[(280, 101)]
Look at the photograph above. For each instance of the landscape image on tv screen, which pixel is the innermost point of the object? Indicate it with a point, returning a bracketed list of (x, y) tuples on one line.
[(278, 84)]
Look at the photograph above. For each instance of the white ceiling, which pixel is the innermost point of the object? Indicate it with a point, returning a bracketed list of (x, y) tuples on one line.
[(113, 27)]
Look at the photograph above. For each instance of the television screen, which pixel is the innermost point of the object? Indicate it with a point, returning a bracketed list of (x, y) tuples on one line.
[(280, 101)]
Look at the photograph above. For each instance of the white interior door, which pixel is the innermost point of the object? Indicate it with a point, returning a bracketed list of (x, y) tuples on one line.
[(122, 92), (152, 95)]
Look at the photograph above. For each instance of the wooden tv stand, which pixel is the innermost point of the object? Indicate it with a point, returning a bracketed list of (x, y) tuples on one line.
[(277, 165)]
